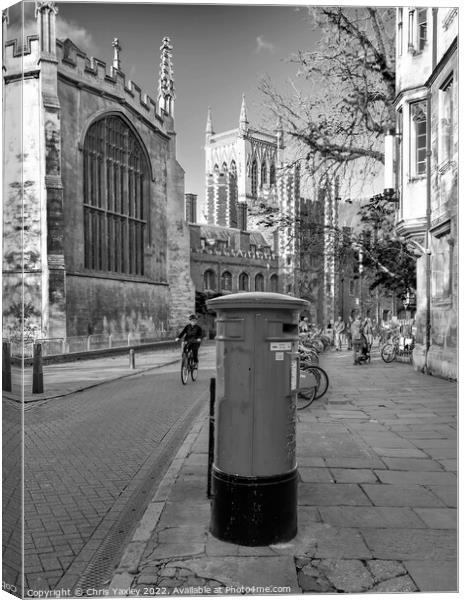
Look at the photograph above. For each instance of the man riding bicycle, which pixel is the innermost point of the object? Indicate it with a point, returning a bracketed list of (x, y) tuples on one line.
[(192, 334)]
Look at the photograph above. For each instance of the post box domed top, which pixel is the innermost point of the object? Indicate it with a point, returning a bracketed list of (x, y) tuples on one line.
[(263, 300)]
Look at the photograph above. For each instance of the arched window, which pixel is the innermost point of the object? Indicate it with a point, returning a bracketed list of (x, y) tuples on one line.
[(272, 174), (244, 282), (263, 173), (259, 283), (254, 178), (233, 194), (226, 281), (274, 281), (209, 280), (115, 198)]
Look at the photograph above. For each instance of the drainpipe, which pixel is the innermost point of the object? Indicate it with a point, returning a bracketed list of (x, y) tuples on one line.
[(427, 232)]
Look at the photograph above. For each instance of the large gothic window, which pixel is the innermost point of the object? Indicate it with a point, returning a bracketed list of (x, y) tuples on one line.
[(115, 198), (209, 280)]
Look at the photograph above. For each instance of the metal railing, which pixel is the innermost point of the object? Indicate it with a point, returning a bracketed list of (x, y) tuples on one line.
[(68, 345)]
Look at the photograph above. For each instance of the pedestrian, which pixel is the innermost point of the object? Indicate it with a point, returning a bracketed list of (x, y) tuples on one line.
[(368, 329), (339, 328), (356, 337), (303, 325), (349, 343)]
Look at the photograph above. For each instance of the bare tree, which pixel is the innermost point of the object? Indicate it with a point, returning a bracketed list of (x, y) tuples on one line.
[(336, 110)]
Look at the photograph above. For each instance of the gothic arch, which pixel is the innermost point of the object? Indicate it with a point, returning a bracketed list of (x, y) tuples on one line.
[(101, 114)]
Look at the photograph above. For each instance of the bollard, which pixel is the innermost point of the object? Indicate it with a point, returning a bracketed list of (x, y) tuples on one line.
[(37, 371), (254, 471), (6, 367), (132, 358)]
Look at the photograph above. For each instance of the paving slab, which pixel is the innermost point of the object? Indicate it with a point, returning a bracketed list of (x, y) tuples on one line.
[(370, 516), (434, 576), (417, 477), (401, 495), (438, 518), (411, 544)]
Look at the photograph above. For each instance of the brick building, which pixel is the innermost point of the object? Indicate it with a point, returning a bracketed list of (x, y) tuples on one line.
[(94, 234), (423, 178)]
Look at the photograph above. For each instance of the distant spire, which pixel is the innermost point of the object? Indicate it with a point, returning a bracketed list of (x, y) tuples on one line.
[(117, 49), (279, 132), (166, 78), (209, 123), (243, 116)]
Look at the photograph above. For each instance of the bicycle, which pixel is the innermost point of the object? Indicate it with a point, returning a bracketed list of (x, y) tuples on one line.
[(188, 365), (397, 346), (320, 384)]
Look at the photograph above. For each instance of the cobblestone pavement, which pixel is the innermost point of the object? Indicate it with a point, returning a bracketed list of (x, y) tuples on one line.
[(376, 505), (92, 459)]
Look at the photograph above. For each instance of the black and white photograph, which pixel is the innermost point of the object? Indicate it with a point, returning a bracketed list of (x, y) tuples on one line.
[(229, 299)]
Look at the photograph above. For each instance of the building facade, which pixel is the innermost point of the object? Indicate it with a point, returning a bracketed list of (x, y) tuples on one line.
[(246, 172), (94, 233), (425, 182)]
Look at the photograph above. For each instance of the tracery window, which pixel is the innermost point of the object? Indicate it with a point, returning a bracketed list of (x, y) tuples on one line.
[(259, 283), (272, 174), (254, 178), (115, 198), (263, 173)]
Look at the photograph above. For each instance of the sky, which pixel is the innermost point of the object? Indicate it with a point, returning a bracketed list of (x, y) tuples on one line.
[(219, 53)]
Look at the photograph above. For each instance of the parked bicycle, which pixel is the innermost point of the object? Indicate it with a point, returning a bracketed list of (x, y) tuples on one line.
[(398, 346), (188, 364), (314, 383)]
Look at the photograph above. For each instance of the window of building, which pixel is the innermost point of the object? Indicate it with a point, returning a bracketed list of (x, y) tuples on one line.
[(411, 30), (351, 287), (418, 127), (209, 280), (254, 178), (400, 32), (253, 249), (226, 281), (263, 173), (259, 283), (115, 199), (422, 28), (244, 282), (442, 266), (446, 123), (274, 283), (272, 174)]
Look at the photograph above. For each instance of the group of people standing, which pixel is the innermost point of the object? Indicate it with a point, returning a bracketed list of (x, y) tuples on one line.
[(357, 334)]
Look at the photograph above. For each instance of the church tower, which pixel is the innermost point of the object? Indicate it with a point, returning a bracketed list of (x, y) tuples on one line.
[(245, 172)]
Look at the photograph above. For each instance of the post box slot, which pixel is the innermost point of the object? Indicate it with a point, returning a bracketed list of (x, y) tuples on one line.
[(289, 328)]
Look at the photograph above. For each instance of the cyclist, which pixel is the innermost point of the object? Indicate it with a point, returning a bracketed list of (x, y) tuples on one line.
[(192, 334)]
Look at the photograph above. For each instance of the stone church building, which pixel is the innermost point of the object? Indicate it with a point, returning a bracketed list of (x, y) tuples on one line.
[(94, 234)]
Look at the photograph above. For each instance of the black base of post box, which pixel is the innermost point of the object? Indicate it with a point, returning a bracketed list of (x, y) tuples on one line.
[(254, 511)]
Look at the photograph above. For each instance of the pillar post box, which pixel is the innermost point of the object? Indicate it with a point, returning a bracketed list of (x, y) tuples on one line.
[(254, 473)]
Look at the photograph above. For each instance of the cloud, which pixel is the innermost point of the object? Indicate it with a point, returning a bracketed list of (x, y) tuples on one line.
[(261, 44), (80, 36)]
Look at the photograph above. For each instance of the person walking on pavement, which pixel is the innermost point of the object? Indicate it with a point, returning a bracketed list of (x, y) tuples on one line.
[(349, 338), (339, 328), (303, 325), (192, 334), (356, 337), (368, 329)]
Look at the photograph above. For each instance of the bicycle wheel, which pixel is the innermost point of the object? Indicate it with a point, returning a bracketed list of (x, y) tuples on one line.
[(193, 370), (184, 369), (305, 397), (322, 380), (388, 353)]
